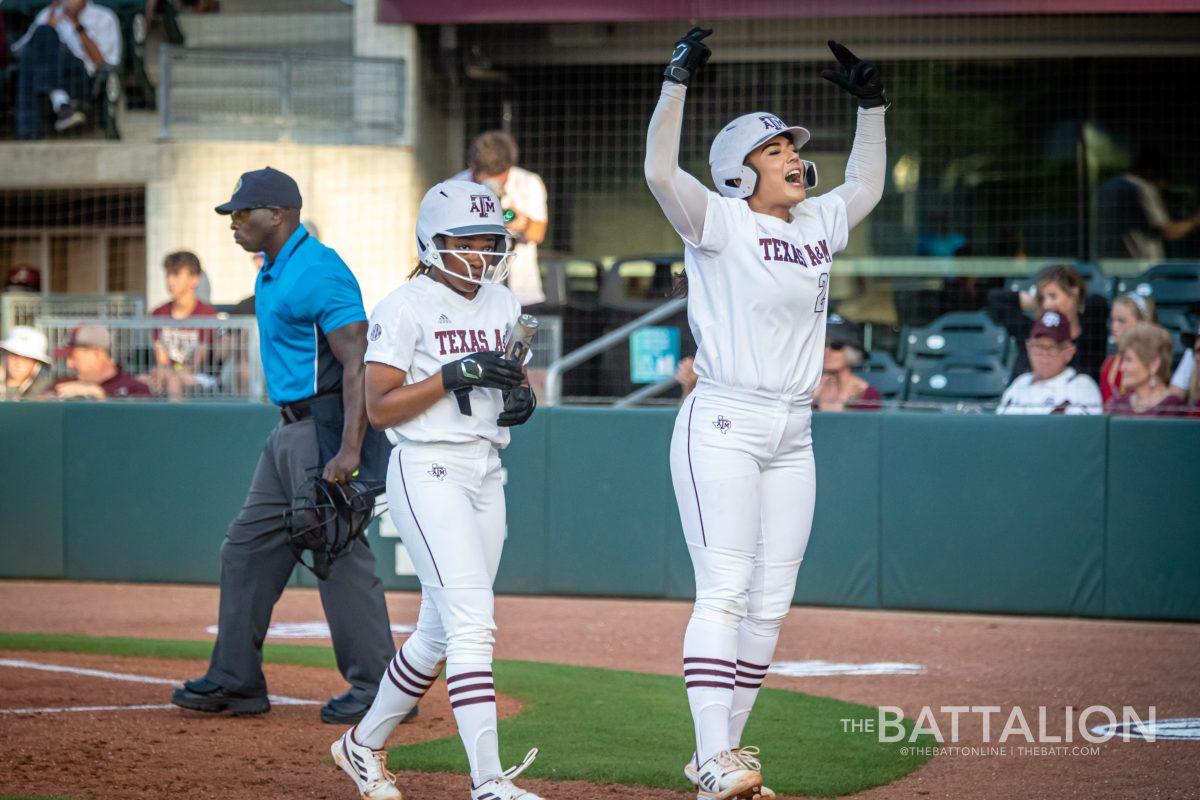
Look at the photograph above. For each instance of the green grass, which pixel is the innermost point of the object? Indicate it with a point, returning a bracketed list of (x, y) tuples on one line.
[(603, 725)]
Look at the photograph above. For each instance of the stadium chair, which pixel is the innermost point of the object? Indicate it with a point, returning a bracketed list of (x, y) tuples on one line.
[(572, 289), (881, 371), (632, 287), (640, 283), (954, 334), (1169, 285), (974, 378)]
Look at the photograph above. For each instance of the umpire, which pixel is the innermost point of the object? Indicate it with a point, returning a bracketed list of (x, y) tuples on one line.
[(312, 336)]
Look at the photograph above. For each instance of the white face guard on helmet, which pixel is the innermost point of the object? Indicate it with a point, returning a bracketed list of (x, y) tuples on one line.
[(727, 158), (463, 208)]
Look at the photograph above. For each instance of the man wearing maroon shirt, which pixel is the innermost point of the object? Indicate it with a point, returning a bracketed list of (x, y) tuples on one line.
[(97, 376), (180, 354)]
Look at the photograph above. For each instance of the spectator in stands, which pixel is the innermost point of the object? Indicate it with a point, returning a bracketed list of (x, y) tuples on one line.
[(89, 353), (1059, 288), (492, 161), (1184, 381), (23, 279), (25, 364), (68, 41), (1145, 352), (1051, 386), (1133, 221), (181, 354), (1127, 311), (1191, 358), (840, 389)]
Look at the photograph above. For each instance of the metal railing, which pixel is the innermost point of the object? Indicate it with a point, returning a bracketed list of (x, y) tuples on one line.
[(205, 357), (24, 309), (607, 342), (315, 99)]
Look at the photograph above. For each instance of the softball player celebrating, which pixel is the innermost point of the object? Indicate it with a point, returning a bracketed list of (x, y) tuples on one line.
[(437, 380), (757, 255)]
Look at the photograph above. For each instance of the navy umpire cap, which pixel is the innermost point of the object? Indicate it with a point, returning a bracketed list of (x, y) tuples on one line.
[(263, 188)]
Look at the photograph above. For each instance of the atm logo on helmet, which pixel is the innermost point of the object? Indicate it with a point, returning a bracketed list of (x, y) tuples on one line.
[(482, 205), (771, 122)]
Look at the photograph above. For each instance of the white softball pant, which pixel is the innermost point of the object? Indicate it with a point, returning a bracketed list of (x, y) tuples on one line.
[(447, 502), (745, 482)]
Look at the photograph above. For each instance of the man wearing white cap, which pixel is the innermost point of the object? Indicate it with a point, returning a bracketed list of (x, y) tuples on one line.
[(25, 364)]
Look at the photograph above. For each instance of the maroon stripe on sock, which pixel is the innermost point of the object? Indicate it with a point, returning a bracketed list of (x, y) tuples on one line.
[(403, 672), (759, 667), (427, 678), (698, 660), (475, 687), (715, 672), (463, 675), (748, 685), (709, 684), (757, 673), (470, 701), (401, 686)]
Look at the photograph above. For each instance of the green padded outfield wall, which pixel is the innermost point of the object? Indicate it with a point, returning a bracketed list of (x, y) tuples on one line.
[(1153, 544), (988, 513), (1085, 516)]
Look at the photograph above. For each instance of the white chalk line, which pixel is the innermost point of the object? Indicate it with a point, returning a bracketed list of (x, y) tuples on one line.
[(16, 663)]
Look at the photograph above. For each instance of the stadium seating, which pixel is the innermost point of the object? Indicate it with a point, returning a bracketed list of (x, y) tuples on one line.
[(1170, 285), (129, 80), (640, 283), (881, 371), (955, 334), (976, 378)]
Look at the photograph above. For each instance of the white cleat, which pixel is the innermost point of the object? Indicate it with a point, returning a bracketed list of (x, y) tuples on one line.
[(729, 774), (366, 767), (503, 788)]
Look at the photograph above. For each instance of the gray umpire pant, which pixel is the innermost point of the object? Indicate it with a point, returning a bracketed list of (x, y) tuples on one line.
[(256, 563)]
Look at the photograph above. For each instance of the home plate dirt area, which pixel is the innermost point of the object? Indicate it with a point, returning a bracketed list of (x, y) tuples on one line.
[(97, 726)]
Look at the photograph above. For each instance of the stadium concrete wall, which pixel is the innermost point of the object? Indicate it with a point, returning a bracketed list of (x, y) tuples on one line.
[(1073, 516)]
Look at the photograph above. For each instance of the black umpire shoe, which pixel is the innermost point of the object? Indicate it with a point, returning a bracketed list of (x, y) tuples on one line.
[(346, 710), (204, 695)]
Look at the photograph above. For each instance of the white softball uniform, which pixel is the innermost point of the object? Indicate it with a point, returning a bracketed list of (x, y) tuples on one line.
[(741, 452), (425, 324), (1068, 392), (446, 497)]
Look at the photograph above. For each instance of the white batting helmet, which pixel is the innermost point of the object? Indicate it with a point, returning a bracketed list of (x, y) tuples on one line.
[(463, 208), (731, 175)]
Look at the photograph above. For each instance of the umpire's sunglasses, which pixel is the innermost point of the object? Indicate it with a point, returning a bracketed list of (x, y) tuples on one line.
[(243, 214)]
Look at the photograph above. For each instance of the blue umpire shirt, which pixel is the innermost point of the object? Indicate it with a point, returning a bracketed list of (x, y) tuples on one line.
[(305, 293)]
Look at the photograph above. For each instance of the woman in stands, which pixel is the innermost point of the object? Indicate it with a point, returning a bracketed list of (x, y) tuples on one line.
[(1145, 352), (840, 389), (1127, 311), (1060, 288)]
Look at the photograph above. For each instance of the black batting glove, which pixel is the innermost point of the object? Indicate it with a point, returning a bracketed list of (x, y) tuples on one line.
[(518, 407), (484, 370), (689, 56), (860, 78)]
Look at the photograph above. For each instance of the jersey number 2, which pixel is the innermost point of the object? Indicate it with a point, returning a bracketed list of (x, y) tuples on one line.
[(822, 291)]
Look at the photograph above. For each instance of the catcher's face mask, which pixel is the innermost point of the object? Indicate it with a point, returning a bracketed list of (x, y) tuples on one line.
[(325, 518)]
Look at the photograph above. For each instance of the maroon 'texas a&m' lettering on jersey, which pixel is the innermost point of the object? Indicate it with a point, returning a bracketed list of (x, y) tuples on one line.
[(782, 250), (455, 342)]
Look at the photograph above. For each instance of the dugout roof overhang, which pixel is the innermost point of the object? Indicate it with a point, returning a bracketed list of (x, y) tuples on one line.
[(466, 12)]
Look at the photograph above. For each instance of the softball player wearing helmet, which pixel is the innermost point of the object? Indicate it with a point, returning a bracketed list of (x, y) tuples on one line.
[(757, 255), (437, 380)]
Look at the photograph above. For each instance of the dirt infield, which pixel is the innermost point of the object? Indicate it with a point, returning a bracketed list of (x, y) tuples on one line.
[(968, 660)]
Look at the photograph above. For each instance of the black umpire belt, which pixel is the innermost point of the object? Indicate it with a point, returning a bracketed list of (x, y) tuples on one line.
[(303, 409)]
